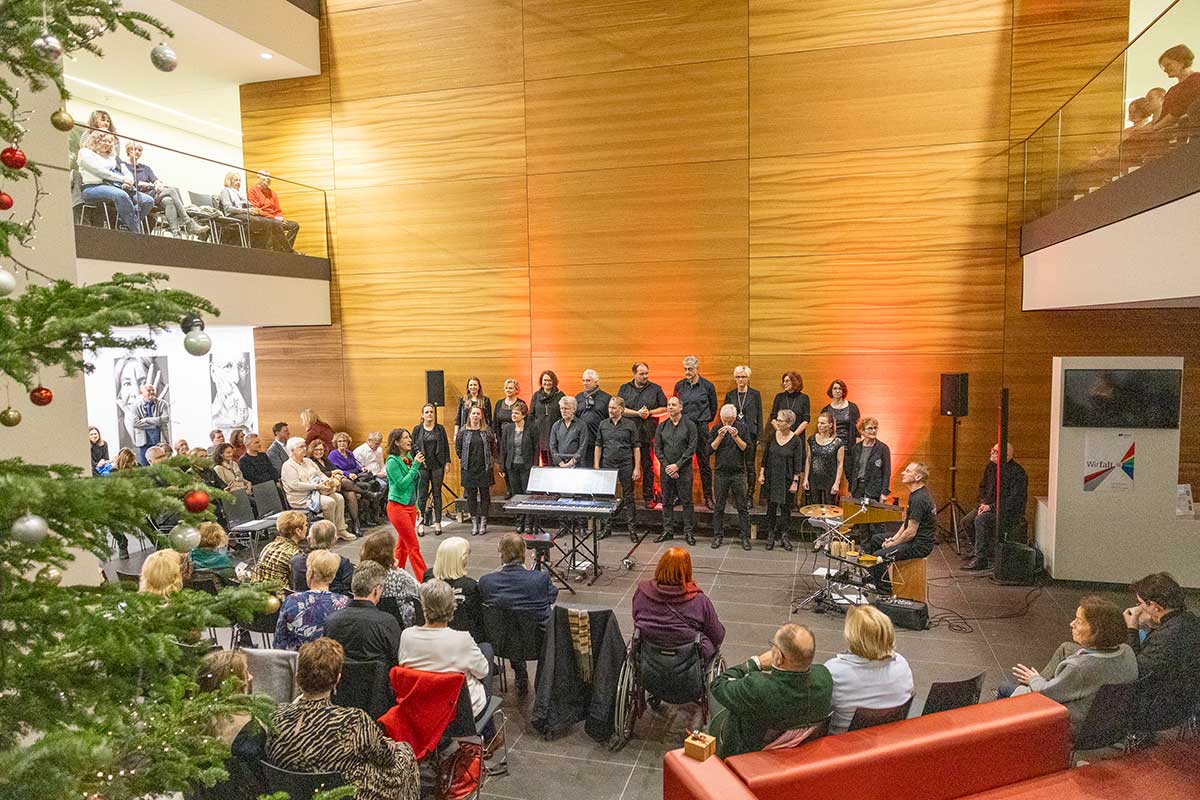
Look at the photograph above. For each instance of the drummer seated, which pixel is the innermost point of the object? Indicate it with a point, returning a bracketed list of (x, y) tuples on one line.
[(915, 538)]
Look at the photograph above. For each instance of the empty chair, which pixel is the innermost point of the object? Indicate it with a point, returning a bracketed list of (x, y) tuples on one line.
[(1110, 718), (870, 717), (953, 694), (204, 580), (223, 221), (274, 672), (266, 499), (364, 685), (299, 785), (781, 740)]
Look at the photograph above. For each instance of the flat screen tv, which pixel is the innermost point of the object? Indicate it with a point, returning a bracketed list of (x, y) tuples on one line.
[(1121, 398)]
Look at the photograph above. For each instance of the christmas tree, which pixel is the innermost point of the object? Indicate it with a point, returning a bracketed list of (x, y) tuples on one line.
[(97, 690)]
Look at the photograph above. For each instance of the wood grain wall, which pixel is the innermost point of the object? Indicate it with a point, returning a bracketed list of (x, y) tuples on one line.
[(824, 186)]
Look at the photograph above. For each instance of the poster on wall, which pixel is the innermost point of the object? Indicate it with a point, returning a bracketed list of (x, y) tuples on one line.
[(1108, 461), (231, 390), (130, 373)]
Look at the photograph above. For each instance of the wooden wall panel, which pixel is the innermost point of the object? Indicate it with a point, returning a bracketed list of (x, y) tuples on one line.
[(287, 94), (424, 45), (663, 115), (951, 301), (1043, 12), (786, 26), (297, 146), (793, 96), (590, 309), (454, 134), (621, 215), (468, 224), (576, 37), (935, 198)]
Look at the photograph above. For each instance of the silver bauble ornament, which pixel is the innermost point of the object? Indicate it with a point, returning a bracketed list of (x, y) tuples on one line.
[(30, 529), (8, 283), (197, 342), (163, 58), (48, 47), (184, 538), (50, 574)]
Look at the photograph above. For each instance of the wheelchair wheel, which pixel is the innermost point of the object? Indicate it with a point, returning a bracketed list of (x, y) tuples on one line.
[(630, 705)]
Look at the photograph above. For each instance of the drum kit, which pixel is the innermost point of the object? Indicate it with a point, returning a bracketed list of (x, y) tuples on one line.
[(834, 525)]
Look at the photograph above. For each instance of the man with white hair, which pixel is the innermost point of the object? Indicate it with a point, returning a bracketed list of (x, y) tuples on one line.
[(699, 398), (266, 202), (591, 405), (727, 443), (748, 401), (370, 456), (568, 436), (307, 488), (151, 421)]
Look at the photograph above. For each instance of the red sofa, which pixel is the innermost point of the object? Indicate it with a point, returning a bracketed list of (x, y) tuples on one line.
[(1008, 749)]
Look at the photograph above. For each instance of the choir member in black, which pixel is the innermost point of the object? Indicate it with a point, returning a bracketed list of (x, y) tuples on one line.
[(518, 449), (699, 398), (617, 448), (544, 412), (502, 417), (569, 437), (674, 446), (474, 445), (869, 469), (644, 401), (430, 438), (591, 406), (748, 402), (825, 462), (1014, 490), (793, 399), (474, 396), (915, 537), (845, 413), (727, 442), (782, 465)]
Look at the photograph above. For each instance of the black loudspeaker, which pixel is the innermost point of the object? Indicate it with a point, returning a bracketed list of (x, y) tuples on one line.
[(907, 614), (435, 387), (954, 394), (1018, 565)]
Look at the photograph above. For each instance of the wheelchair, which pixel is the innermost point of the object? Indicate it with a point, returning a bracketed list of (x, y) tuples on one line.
[(655, 674)]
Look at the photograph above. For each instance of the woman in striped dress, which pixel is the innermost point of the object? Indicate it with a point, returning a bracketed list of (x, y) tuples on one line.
[(313, 735)]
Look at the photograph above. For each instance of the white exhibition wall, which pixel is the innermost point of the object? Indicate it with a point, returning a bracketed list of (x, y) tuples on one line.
[(205, 392)]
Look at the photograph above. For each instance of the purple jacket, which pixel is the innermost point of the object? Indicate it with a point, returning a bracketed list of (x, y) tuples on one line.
[(670, 615), (347, 463)]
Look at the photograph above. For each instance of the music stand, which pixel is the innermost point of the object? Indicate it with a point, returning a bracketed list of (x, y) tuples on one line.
[(957, 512)]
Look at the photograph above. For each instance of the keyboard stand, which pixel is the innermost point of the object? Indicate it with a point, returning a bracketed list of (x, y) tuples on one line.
[(542, 542), (577, 528)]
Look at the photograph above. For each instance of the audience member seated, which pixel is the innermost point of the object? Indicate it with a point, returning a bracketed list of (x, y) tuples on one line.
[(303, 615), (1165, 637), (105, 182), (345, 486), (321, 536), (1176, 62), (126, 459), (255, 465), (981, 522), (450, 565), (518, 589), (241, 733), (1096, 656), (311, 734), (275, 560), (101, 464), (670, 609), (165, 197), (373, 459), (778, 690), (216, 438), (399, 587), (872, 674), (316, 428), (266, 202), (98, 120), (211, 555), (277, 452), (237, 438), (308, 489), (366, 632), (436, 647), (202, 470), (162, 573), (266, 234), (181, 446), (342, 457), (229, 471)]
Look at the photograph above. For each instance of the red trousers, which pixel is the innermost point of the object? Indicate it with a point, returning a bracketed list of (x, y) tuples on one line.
[(404, 520)]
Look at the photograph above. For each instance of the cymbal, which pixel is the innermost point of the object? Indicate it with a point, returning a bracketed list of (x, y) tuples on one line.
[(820, 511)]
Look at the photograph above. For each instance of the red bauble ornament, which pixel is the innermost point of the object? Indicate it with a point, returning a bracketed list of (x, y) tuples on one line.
[(196, 501), (41, 396), (12, 157), (6, 201)]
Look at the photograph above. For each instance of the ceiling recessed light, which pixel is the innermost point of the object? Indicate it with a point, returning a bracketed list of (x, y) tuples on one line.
[(265, 56)]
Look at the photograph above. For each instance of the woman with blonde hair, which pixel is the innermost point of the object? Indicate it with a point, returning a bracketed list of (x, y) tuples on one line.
[(316, 428), (872, 674), (303, 615), (450, 565), (241, 733), (162, 574), (823, 468)]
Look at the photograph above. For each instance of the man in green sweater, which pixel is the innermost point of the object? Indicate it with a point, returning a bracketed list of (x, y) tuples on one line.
[(771, 693)]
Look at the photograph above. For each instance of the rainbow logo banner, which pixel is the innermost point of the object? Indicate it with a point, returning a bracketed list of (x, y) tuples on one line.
[(1108, 463)]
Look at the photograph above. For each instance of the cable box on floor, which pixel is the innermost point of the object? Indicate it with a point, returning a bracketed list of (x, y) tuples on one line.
[(907, 614)]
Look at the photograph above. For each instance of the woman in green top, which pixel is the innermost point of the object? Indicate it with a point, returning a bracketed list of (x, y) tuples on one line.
[(403, 469), (209, 554)]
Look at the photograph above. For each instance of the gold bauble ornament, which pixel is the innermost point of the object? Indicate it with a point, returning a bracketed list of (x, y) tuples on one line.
[(62, 121), (272, 604), (50, 574)]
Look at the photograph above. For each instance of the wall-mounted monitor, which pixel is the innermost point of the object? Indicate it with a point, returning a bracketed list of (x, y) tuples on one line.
[(1121, 398)]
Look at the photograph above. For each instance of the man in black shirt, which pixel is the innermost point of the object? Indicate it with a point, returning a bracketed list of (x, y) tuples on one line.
[(617, 448), (1166, 638), (364, 631), (727, 442), (699, 398), (591, 406), (675, 444), (748, 402), (256, 467), (644, 401), (915, 537), (1014, 490)]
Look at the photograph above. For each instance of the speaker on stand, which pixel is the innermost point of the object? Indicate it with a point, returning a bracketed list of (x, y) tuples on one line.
[(954, 404), (435, 395)]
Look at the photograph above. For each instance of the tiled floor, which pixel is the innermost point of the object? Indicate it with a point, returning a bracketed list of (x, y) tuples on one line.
[(980, 627)]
